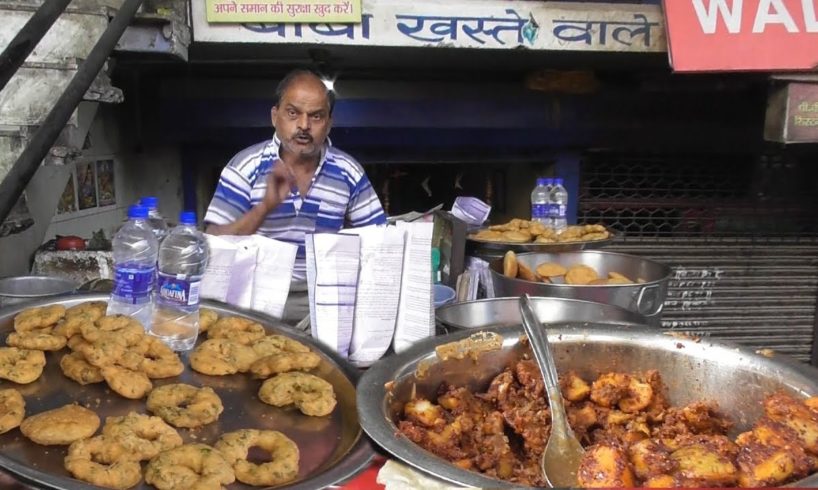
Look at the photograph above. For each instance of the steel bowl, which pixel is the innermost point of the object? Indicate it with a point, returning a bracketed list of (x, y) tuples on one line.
[(20, 289), (646, 298), (693, 369), (501, 312)]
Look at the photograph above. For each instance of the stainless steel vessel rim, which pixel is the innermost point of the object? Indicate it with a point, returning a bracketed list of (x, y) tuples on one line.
[(51, 296), (580, 302), (372, 392), (356, 459)]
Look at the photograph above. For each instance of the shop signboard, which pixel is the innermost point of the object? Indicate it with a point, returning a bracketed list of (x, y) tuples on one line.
[(478, 24), (792, 114), (286, 11), (742, 35)]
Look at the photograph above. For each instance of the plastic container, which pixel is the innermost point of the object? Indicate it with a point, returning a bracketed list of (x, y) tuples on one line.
[(539, 201), (157, 222), (558, 206), (443, 295), (182, 261), (135, 251)]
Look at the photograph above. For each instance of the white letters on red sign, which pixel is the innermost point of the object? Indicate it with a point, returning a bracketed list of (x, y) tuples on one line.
[(769, 12)]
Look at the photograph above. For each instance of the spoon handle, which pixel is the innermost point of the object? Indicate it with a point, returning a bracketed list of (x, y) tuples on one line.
[(545, 358)]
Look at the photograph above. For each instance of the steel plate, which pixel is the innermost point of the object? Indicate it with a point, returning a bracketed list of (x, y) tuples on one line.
[(493, 248), (693, 369), (332, 448)]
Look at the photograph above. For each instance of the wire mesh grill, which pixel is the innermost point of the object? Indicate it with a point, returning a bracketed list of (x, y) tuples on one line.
[(711, 196)]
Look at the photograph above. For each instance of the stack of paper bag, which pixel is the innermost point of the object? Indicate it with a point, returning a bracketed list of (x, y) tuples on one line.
[(370, 288), (251, 272)]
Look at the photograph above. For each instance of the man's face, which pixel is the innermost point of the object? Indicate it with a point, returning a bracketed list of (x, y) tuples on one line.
[(302, 120)]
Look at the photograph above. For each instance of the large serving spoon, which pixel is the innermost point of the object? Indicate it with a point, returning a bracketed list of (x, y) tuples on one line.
[(563, 452)]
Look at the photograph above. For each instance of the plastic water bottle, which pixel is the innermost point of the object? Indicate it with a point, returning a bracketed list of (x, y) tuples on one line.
[(559, 206), (135, 250), (539, 202), (182, 261), (156, 221)]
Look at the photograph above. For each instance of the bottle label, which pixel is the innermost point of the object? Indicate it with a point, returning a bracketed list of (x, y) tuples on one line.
[(539, 211), (178, 290), (133, 285)]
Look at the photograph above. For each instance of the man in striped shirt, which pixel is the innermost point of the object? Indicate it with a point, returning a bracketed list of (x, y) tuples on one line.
[(295, 183)]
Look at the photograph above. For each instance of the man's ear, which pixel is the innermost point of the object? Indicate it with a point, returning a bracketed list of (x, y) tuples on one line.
[(273, 113)]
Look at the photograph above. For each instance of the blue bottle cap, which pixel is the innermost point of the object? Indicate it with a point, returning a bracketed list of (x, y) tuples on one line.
[(149, 202), (137, 212), (187, 217), (540, 181), (558, 181), (549, 181)]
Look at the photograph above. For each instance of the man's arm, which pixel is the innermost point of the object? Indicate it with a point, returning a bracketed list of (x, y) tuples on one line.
[(279, 183), (247, 224)]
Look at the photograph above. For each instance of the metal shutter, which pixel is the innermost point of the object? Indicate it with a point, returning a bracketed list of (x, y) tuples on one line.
[(740, 233)]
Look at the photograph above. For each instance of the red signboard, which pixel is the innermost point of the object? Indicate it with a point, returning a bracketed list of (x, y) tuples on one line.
[(742, 35)]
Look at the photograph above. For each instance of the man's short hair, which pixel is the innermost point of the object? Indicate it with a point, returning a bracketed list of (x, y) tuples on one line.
[(294, 75)]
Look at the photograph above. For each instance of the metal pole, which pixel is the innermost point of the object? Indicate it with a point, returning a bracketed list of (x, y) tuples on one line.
[(29, 160), (24, 42)]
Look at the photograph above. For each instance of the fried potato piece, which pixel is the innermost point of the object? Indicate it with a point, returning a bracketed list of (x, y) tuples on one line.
[(141, 435), (574, 388), (638, 397), (102, 462), (771, 454), (184, 405), (703, 463), (40, 317), (218, 357), (189, 466), (580, 274), (516, 236), (605, 465), (127, 382), (510, 264), (60, 426), (524, 273), (284, 362), (661, 481), (21, 366), (12, 409), (75, 367), (650, 459), (310, 394), (545, 239), (283, 467), (237, 329), (788, 411), (551, 269), (609, 388), (424, 412)]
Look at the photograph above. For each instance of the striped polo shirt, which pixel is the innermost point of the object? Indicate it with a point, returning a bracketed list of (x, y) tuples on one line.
[(340, 196)]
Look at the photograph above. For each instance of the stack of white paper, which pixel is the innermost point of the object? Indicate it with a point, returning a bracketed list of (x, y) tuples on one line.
[(332, 277), (250, 272), (391, 288)]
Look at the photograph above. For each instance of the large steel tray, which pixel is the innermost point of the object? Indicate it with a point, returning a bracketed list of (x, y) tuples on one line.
[(333, 448), (693, 369)]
